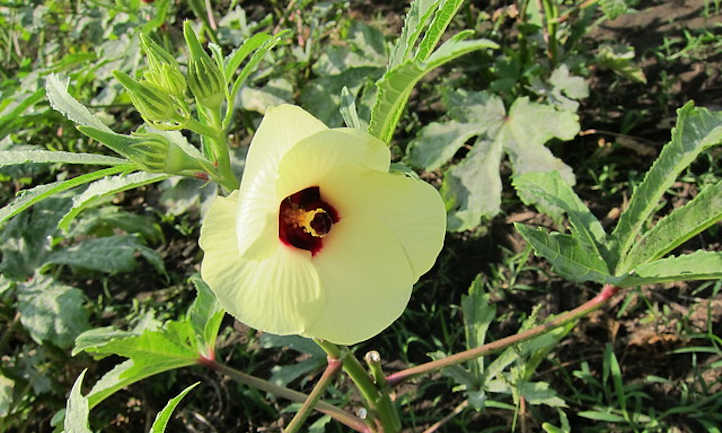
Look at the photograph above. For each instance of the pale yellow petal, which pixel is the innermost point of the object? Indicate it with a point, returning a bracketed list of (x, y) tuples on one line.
[(313, 158), (217, 230), (365, 279), (390, 231), (279, 294), (280, 130), (413, 211)]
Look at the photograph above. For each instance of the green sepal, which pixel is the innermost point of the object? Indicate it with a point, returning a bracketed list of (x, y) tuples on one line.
[(153, 152), (156, 105)]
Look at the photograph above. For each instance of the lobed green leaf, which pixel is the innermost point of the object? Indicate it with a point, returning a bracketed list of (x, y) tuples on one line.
[(437, 143), (150, 353), (472, 188), (111, 254), (51, 311), (696, 130)]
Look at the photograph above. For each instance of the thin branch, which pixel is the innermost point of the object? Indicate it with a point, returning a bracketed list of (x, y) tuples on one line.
[(332, 368), (211, 18), (602, 298), (334, 412)]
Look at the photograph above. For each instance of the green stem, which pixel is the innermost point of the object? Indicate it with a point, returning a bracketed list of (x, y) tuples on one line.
[(333, 367), (552, 13), (378, 401), (334, 412), (602, 298), (200, 128), (222, 172)]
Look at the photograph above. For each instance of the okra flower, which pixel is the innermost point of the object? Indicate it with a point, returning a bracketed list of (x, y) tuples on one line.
[(320, 239)]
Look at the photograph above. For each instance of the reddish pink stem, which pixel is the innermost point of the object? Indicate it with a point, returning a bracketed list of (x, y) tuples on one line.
[(603, 297)]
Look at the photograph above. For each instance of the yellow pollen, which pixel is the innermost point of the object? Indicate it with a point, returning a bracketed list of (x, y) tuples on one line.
[(305, 219)]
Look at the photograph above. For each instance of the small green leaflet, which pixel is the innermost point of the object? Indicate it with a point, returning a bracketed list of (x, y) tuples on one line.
[(620, 59), (548, 190), (161, 420), (77, 409), (177, 344), (540, 393), (571, 257), (56, 88), (478, 315), (700, 265), (261, 46), (205, 316), (29, 197), (12, 157), (234, 60), (677, 227), (104, 187)]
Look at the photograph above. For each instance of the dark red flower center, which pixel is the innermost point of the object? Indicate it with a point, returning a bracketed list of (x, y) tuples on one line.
[(304, 219)]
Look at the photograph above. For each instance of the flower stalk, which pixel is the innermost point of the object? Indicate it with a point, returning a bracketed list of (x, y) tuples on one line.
[(598, 301), (332, 368), (334, 412), (378, 401)]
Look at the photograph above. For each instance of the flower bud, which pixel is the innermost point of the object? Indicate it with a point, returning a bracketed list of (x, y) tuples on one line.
[(205, 79), (156, 105), (167, 78), (163, 69), (155, 54), (157, 154)]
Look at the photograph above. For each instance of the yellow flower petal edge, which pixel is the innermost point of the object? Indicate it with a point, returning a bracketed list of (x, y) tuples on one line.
[(279, 293), (320, 240)]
